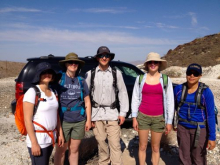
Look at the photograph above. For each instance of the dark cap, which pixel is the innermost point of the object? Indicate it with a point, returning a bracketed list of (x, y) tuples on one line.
[(195, 67), (104, 49), (41, 67)]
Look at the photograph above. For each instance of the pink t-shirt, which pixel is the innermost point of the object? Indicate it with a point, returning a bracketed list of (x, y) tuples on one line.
[(152, 100)]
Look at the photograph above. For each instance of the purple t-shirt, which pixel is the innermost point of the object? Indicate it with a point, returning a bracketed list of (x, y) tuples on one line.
[(152, 100), (70, 95)]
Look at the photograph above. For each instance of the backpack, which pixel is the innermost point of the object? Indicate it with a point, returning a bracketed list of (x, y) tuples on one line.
[(165, 81), (19, 114), (76, 107), (197, 103), (115, 104)]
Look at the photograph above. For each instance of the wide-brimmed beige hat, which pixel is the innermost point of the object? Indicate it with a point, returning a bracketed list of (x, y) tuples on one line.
[(152, 56), (71, 57)]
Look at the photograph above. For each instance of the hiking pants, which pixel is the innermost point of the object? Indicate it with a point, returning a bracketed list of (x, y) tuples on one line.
[(107, 134), (44, 158), (188, 154)]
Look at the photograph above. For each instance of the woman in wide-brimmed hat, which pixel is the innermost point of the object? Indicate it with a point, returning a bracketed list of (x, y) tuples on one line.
[(152, 106), (40, 143), (74, 100)]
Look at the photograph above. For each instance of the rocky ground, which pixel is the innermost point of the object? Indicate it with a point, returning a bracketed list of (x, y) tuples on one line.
[(13, 149)]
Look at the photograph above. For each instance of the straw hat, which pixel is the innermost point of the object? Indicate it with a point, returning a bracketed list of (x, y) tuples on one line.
[(71, 57), (152, 56)]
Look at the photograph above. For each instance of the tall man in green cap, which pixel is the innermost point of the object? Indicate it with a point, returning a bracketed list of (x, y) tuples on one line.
[(106, 119)]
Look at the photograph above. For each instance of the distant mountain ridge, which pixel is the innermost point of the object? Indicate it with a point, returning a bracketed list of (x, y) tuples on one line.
[(204, 51)]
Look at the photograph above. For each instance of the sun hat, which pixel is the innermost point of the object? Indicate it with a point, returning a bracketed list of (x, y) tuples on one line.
[(195, 67), (104, 49), (152, 56), (41, 67), (71, 57)]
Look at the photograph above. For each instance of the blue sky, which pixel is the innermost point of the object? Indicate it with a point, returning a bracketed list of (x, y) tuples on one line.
[(130, 28)]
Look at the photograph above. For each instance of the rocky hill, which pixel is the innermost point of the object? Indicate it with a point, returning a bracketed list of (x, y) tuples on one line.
[(205, 51), (10, 69)]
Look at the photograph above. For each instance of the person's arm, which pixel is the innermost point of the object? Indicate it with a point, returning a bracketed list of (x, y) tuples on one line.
[(88, 112), (123, 98), (170, 106), (135, 103), (60, 133), (209, 105), (28, 109)]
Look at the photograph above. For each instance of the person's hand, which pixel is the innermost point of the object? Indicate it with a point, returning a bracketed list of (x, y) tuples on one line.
[(93, 124), (121, 120), (88, 125), (61, 141), (35, 149), (135, 124), (168, 129), (211, 145)]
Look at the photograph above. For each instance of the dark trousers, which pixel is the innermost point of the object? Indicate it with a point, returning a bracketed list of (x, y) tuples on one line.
[(44, 158), (189, 154)]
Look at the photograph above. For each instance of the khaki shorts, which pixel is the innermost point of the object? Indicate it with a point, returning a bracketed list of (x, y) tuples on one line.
[(156, 124), (73, 130)]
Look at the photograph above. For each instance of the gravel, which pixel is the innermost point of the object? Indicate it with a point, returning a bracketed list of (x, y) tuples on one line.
[(13, 149)]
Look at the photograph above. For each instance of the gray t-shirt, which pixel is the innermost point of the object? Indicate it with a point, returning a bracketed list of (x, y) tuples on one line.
[(70, 96)]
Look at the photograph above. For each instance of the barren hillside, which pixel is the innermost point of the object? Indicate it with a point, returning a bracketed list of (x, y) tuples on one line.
[(205, 51)]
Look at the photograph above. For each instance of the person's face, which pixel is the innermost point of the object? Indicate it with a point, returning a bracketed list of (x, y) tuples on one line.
[(104, 59), (193, 77), (46, 76), (153, 66), (72, 66)]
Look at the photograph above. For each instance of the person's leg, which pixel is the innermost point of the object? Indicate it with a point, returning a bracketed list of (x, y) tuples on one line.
[(77, 133), (199, 153), (155, 146), (100, 135), (183, 138), (113, 131), (143, 140), (74, 151), (144, 125), (44, 158), (59, 155)]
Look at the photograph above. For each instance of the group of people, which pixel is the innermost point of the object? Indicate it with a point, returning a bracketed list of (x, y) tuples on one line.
[(80, 104)]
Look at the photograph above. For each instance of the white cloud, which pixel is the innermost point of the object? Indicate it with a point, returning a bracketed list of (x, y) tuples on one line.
[(162, 25), (17, 9), (193, 18), (104, 10), (59, 37)]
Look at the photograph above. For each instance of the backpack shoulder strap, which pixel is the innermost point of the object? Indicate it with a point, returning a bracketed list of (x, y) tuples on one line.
[(37, 98), (183, 96), (114, 75), (81, 87), (165, 82), (198, 96), (92, 80), (140, 78), (63, 78)]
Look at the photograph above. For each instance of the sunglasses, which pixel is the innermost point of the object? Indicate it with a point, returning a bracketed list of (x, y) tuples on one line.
[(47, 72), (73, 62), (153, 62), (104, 55), (195, 74)]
